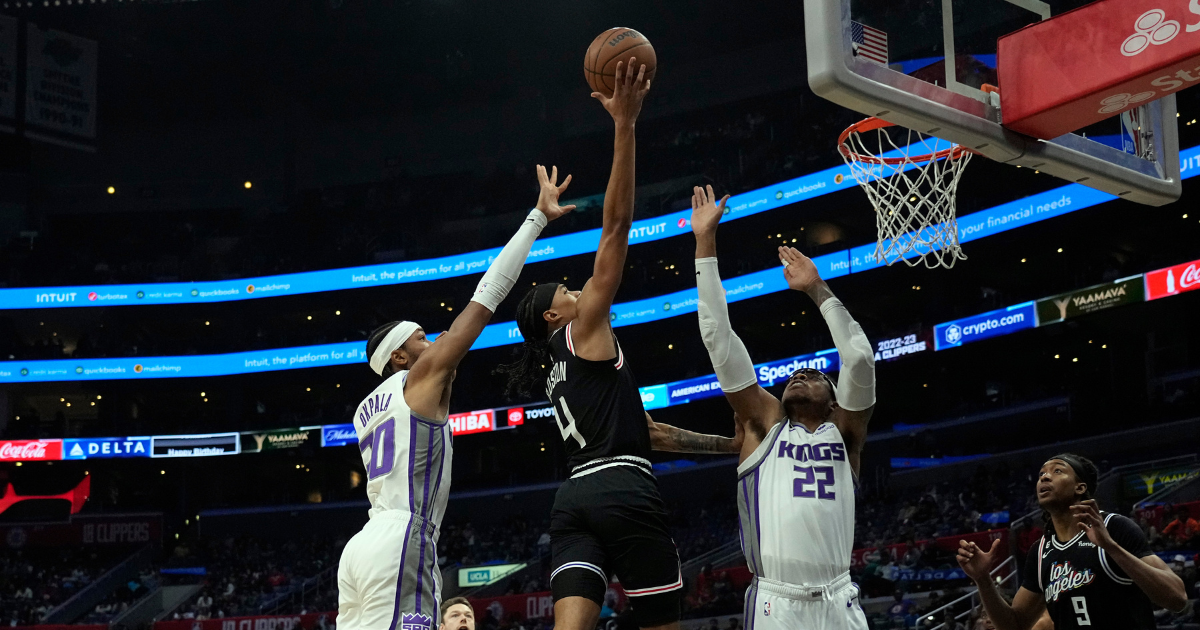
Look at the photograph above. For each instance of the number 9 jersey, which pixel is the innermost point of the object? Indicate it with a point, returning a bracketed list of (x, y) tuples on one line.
[(388, 575)]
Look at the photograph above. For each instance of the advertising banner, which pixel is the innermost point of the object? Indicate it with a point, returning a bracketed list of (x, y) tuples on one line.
[(8, 67), (338, 435), (93, 448), (1138, 485), (482, 576), (898, 347), (60, 82), (279, 439), (473, 422), (206, 445), (310, 621), (1173, 280), (978, 327), (116, 529), (1096, 298), (30, 450)]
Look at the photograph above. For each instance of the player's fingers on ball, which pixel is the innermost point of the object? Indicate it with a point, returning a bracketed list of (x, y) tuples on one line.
[(641, 74), (629, 70), (620, 73)]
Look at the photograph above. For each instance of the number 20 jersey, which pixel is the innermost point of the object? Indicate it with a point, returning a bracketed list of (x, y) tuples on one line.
[(796, 504), (407, 457)]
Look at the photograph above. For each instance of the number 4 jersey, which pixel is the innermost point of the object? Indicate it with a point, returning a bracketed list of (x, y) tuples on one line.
[(796, 502), (1083, 587)]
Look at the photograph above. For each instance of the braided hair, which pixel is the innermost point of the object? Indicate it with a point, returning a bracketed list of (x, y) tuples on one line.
[(533, 358), (373, 342)]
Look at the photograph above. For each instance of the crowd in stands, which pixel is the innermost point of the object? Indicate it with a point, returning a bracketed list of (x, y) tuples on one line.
[(34, 582), (123, 598), (245, 575)]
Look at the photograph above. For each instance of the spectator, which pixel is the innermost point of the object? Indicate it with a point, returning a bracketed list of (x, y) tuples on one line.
[(1183, 530), (457, 614), (900, 608)]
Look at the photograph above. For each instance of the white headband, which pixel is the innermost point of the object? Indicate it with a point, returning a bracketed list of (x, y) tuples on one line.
[(394, 339)]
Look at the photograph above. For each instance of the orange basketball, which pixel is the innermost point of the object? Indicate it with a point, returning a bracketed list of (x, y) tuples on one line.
[(610, 47)]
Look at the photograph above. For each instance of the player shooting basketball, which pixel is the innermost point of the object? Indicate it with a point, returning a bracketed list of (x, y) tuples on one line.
[(404, 438), (608, 517), (800, 456)]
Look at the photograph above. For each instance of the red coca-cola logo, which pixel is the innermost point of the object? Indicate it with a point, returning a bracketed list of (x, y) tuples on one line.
[(1173, 280), (30, 450), (1190, 277)]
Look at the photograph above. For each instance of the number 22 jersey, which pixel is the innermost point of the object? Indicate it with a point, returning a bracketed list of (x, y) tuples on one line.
[(1084, 587), (796, 504)]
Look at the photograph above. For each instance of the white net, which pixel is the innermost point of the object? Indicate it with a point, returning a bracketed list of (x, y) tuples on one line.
[(913, 188)]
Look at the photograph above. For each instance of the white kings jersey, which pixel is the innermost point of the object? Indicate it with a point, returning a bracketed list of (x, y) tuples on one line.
[(407, 456), (796, 505)]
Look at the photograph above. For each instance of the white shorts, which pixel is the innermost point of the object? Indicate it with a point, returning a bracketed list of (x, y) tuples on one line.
[(834, 606), (388, 578)]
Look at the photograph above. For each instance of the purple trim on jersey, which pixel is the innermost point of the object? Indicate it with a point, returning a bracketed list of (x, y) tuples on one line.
[(757, 518), (428, 422), (751, 605), (412, 465), (424, 508), (400, 579), (749, 553), (441, 463), (743, 475)]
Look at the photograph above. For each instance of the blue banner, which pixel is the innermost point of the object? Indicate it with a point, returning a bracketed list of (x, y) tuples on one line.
[(1001, 322), (93, 448), (338, 435), (551, 248)]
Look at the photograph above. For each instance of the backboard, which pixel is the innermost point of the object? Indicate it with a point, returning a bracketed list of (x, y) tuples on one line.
[(888, 59)]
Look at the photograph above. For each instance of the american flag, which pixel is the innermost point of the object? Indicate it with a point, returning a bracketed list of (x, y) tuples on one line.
[(869, 43)]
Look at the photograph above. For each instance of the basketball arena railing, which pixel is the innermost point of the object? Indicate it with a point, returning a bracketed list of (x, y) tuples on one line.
[(1005, 576)]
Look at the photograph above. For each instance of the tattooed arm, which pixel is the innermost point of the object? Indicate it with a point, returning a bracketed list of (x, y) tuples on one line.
[(664, 437)]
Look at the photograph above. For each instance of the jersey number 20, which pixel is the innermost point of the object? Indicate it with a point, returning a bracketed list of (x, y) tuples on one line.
[(382, 442), (821, 476)]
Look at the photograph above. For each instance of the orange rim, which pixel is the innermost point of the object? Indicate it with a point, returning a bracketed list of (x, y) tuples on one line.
[(873, 123)]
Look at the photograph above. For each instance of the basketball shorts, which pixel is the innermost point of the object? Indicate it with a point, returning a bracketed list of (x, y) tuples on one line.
[(613, 522), (772, 605), (388, 577)]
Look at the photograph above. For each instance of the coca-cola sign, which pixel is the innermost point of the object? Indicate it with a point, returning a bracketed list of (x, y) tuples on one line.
[(1173, 280), (30, 450)]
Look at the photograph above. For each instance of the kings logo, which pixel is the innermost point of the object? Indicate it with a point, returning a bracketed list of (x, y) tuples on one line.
[(415, 621)]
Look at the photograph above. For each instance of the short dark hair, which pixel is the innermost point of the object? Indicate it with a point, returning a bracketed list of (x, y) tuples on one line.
[(453, 601), (373, 342)]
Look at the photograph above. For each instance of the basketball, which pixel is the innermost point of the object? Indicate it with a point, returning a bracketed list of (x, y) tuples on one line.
[(613, 46)]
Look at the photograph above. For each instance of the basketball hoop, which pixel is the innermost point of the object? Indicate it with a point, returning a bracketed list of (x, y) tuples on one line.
[(913, 194)]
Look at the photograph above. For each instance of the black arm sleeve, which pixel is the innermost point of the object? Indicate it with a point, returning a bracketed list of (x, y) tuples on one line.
[(1127, 534), (1031, 579)]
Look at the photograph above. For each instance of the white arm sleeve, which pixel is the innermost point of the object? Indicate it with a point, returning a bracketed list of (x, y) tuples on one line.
[(728, 354), (498, 280), (856, 383)]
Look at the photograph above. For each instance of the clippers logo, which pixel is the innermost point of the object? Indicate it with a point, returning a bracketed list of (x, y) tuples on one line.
[(1152, 27), (1064, 577)]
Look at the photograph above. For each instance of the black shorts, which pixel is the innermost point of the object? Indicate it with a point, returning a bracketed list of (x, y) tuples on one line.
[(614, 522)]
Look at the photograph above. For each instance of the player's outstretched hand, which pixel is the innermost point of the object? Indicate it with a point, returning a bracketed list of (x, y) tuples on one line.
[(706, 210), (548, 199), (626, 102), (798, 269), (976, 562), (1087, 514)]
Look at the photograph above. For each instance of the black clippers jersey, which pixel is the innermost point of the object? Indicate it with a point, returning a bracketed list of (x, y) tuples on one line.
[(597, 406), (1083, 587)]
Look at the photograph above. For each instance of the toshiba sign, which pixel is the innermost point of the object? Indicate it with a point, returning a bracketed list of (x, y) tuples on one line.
[(473, 422), (1173, 280)]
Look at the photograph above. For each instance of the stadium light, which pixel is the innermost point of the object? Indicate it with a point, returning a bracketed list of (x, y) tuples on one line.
[(112, 190), (247, 185)]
